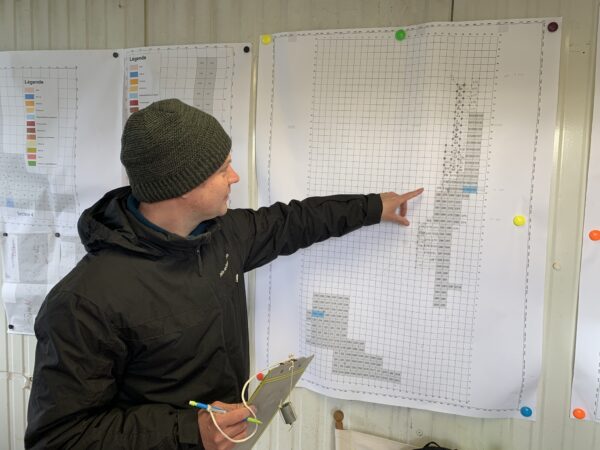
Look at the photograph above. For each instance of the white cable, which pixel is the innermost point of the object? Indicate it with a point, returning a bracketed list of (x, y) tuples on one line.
[(291, 378), (236, 441), (246, 384)]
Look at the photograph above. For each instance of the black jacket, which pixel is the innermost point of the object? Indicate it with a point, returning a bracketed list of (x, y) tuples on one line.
[(148, 321)]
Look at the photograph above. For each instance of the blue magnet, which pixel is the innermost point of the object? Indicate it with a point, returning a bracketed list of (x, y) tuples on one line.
[(526, 411)]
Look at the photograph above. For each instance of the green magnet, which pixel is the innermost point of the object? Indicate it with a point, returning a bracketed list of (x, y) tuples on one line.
[(400, 35)]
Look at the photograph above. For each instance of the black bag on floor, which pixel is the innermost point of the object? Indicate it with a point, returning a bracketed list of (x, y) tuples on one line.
[(434, 445)]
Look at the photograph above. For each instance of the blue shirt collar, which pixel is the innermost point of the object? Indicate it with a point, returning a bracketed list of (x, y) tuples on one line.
[(133, 205)]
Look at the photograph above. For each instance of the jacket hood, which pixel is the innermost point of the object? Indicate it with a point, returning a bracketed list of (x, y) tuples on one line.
[(109, 224)]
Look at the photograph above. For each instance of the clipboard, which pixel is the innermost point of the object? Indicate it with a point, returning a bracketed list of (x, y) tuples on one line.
[(272, 392)]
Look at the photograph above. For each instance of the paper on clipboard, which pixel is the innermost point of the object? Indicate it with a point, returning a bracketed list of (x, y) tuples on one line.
[(272, 392)]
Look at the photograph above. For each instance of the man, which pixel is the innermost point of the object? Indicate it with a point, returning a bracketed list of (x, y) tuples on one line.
[(155, 314)]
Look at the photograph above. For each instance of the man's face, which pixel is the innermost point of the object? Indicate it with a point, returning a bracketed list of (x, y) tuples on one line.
[(210, 198)]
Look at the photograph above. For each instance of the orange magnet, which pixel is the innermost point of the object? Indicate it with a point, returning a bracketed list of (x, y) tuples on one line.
[(595, 235), (579, 413)]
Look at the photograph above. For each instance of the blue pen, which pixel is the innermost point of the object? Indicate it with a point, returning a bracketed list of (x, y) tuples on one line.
[(220, 410), (207, 407)]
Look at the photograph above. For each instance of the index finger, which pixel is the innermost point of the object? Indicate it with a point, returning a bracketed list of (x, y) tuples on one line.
[(232, 416), (412, 194)]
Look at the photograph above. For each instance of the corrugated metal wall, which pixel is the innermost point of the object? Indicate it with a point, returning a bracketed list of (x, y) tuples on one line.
[(80, 24)]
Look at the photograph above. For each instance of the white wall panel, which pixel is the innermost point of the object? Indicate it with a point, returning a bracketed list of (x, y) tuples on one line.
[(77, 24)]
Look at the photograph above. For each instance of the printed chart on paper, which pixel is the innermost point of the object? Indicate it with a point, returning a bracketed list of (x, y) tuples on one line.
[(61, 116), (58, 129), (444, 314), (39, 109), (585, 397), (213, 78), (37, 161)]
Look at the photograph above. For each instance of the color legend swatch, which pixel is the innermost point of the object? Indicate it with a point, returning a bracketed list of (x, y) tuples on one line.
[(30, 118), (133, 88), (197, 75), (42, 124)]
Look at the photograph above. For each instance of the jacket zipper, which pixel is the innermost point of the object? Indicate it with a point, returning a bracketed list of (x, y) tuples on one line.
[(199, 259)]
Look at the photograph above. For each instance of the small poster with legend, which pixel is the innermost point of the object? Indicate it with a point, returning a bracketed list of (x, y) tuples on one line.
[(61, 117)]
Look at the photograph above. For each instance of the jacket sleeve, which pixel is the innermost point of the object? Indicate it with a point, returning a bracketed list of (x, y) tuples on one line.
[(282, 229), (78, 362)]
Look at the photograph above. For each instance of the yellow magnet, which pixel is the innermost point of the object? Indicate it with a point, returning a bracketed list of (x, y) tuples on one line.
[(519, 221), (266, 39)]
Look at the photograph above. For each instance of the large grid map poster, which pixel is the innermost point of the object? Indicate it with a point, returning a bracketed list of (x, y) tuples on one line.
[(445, 314)]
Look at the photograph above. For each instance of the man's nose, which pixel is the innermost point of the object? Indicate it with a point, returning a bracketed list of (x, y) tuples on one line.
[(233, 176)]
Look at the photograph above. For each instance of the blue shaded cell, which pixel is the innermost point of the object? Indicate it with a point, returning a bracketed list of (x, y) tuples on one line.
[(10, 202), (469, 189), (30, 116), (29, 96), (133, 74), (133, 95), (317, 313)]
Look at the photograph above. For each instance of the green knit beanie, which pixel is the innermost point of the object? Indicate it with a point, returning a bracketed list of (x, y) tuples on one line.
[(169, 148)]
